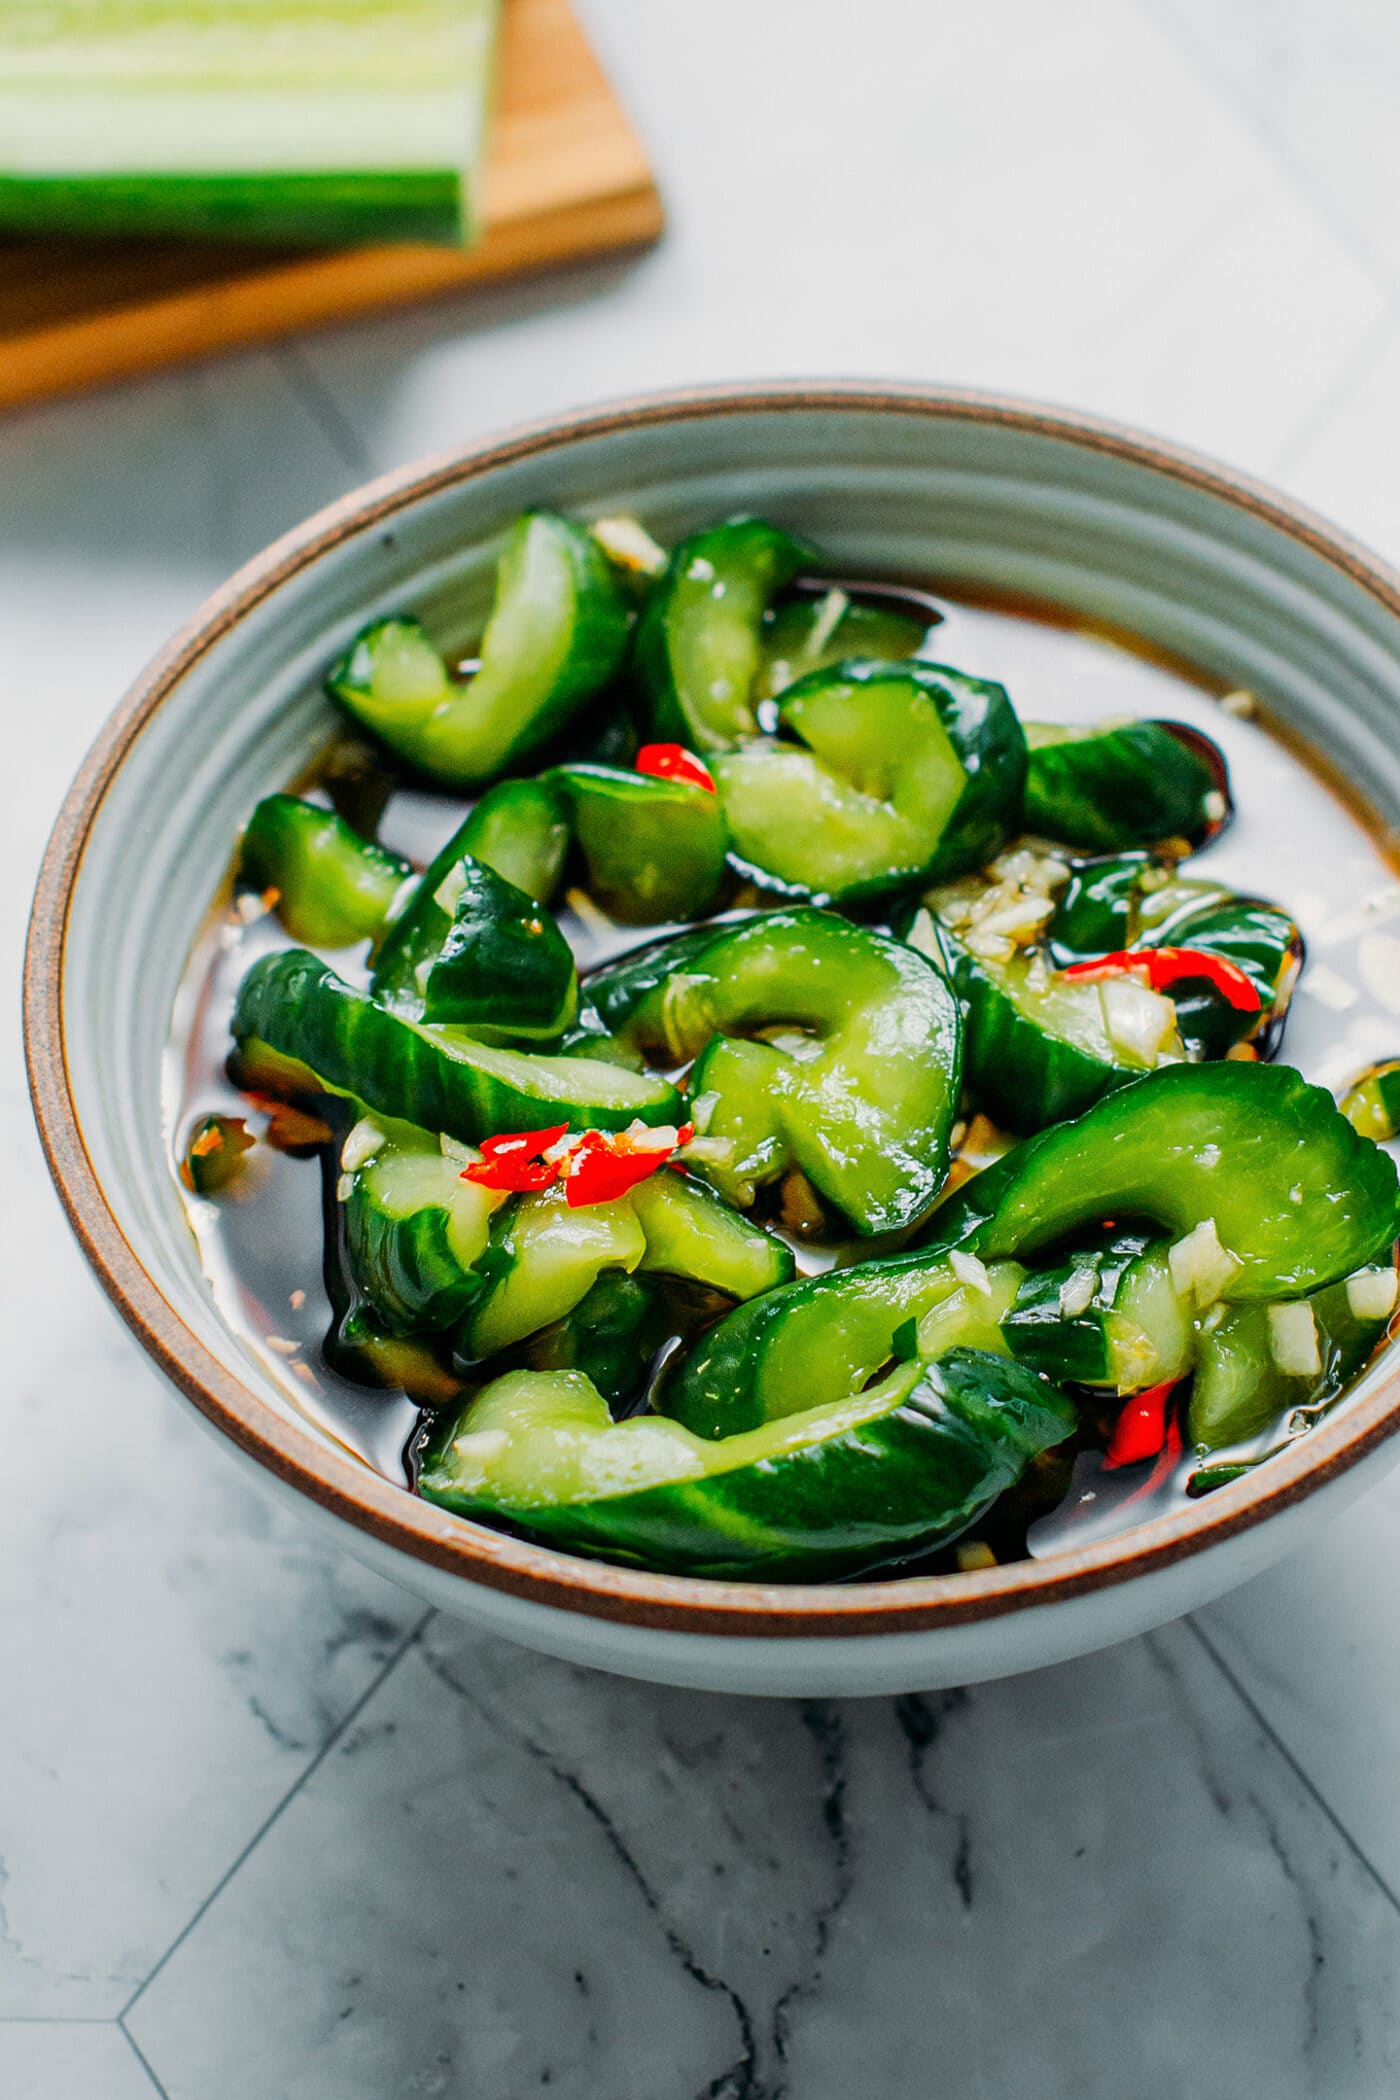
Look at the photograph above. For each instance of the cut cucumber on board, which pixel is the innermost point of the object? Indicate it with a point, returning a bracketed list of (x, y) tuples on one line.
[(278, 121)]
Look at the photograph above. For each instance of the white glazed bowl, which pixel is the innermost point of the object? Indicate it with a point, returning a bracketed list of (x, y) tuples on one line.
[(970, 490)]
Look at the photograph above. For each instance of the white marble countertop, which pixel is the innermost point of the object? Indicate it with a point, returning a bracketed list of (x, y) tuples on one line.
[(265, 1832)]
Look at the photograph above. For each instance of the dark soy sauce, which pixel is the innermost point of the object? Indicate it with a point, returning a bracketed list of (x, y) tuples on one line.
[(1296, 837)]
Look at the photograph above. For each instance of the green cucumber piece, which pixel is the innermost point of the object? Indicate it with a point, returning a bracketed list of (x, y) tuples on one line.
[(543, 1260), (439, 1078), (698, 649), (414, 1229), (1037, 1046), (1240, 1391), (1097, 912), (821, 1339), (692, 1235), (504, 971), (615, 1333), (654, 850), (858, 1082), (333, 887), (517, 829), (312, 126), (1131, 901), (1372, 1104), (1122, 784), (1297, 1197), (1257, 937), (557, 634), (1108, 1316), (799, 637), (900, 773), (837, 1490), (612, 993)]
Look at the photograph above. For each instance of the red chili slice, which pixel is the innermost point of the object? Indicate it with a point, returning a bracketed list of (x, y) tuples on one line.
[(1141, 1429), (1167, 966), (513, 1162), (674, 762), (605, 1164)]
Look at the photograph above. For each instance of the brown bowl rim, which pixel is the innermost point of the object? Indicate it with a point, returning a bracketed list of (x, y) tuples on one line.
[(344, 1486)]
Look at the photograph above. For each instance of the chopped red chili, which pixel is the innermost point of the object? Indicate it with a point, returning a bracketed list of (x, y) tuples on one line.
[(514, 1161), (605, 1164), (594, 1165), (1141, 1428), (1167, 966), (674, 762)]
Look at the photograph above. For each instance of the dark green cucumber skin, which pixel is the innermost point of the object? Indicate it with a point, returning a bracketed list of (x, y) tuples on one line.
[(597, 650), (864, 629), (653, 850), (297, 1006), (1130, 1157), (795, 967), (1135, 785), (1024, 1077), (1070, 1347), (1259, 939), (983, 728), (519, 830), (1097, 910), (406, 1267), (1106, 908), (334, 887), (872, 1497), (504, 970), (612, 994), (746, 552), (616, 1332), (727, 1383)]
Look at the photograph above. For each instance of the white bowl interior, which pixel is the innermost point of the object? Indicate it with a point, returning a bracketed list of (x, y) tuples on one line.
[(955, 496)]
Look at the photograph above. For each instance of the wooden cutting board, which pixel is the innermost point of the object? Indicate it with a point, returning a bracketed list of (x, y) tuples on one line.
[(566, 176)]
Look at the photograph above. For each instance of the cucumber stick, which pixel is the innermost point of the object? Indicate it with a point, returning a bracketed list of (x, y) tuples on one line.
[(285, 121)]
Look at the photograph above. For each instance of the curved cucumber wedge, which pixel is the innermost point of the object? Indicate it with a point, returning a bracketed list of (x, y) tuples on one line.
[(1109, 1316), (798, 637), (1241, 1390), (698, 649), (1037, 1046), (654, 850), (414, 1229), (557, 634), (1371, 1104), (1128, 784), (858, 1081), (899, 773), (504, 971), (519, 830), (1296, 1196), (439, 1078), (333, 887), (834, 1491), (821, 1339)]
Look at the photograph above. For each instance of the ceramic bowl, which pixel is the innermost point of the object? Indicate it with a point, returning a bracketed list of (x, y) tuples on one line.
[(967, 489)]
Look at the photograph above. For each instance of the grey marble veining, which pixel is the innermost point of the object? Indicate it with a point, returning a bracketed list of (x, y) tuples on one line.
[(511, 1877), (313, 1854)]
